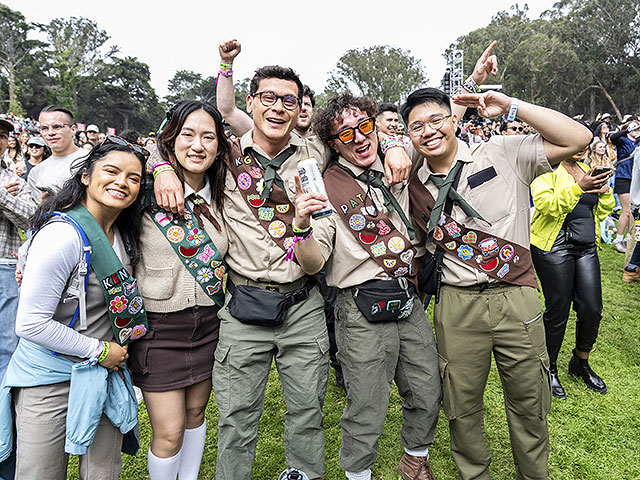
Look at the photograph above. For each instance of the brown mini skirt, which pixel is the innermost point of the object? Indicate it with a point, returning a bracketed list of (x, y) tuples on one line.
[(177, 350)]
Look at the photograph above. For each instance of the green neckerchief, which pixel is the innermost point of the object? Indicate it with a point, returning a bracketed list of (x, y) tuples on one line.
[(195, 249), (271, 165), (374, 178), (124, 303), (446, 190)]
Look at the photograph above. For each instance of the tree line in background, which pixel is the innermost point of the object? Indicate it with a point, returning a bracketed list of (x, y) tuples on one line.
[(579, 57)]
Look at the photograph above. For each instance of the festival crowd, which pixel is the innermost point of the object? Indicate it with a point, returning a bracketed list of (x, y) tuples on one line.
[(188, 261)]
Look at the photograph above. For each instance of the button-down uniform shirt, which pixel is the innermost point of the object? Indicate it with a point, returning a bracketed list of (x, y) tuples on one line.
[(14, 211)]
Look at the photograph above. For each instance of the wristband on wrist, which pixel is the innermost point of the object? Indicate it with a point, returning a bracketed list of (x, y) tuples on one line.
[(513, 110), (162, 168), (160, 162), (291, 253), (104, 353), (300, 232), (470, 85), (391, 141), (226, 66)]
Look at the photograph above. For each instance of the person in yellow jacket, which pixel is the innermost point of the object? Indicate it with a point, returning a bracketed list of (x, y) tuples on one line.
[(570, 203)]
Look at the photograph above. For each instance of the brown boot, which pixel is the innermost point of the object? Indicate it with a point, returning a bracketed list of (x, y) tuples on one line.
[(415, 468), (631, 276)]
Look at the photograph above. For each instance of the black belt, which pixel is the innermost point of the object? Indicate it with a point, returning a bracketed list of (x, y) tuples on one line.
[(291, 298)]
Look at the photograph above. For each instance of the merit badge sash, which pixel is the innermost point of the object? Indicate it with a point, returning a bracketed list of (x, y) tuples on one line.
[(485, 252), (276, 213), (195, 249), (125, 308), (377, 235)]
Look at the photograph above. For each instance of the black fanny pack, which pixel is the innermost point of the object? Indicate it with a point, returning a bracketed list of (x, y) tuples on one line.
[(259, 306), (581, 231), (384, 300)]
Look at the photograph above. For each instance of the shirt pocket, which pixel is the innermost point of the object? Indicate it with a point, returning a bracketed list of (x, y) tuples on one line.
[(493, 199), (157, 284)]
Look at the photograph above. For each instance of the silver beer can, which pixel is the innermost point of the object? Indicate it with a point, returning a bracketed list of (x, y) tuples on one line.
[(311, 180)]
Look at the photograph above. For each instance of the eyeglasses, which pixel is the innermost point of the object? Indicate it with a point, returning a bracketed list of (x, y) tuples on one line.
[(116, 140), (436, 123), (290, 102), (516, 129), (35, 146), (347, 135), (56, 127)]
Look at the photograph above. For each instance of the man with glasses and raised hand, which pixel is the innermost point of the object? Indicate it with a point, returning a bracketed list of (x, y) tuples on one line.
[(473, 205), (58, 130), (273, 310)]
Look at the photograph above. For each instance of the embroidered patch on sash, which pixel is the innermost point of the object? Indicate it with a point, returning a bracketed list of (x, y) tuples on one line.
[(138, 331), (205, 274), (129, 288), (135, 306), (491, 265), (213, 289), (503, 271), (260, 186), (389, 262), (357, 222), (175, 234), (369, 209), (124, 334), (396, 244), (407, 256), (451, 245), (516, 259), (282, 208), (470, 237), (438, 234), (122, 322), (353, 203), (465, 252), (219, 272), (188, 252), (277, 229), (255, 200), (378, 249), (206, 255), (114, 290), (266, 213), (191, 264), (488, 246), (384, 229), (371, 225), (247, 160), (452, 229), (244, 180), (506, 253), (163, 218), (255, 172), (118, 304), (195, 237), (367, 239), (401, 272)]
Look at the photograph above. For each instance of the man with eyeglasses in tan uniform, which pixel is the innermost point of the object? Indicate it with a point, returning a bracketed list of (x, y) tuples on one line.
[(58, 130), (300, 344)]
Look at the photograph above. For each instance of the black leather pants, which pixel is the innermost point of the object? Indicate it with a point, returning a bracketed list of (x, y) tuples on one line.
[(569, 273)]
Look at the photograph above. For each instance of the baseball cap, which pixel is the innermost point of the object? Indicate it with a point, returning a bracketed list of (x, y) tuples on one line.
[(632, 126), (605, 115), (36, 141), (6, 124), (93, 128)]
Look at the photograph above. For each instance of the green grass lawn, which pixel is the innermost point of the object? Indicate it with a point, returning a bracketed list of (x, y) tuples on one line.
[(592, 436)]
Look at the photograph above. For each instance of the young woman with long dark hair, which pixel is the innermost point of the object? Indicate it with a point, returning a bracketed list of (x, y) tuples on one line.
[(180, 278), (71, 390)]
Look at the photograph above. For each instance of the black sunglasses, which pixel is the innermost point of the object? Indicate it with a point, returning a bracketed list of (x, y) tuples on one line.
[(116, 140)]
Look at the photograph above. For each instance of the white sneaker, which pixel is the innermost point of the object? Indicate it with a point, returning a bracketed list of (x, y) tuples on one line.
[(620, 245)]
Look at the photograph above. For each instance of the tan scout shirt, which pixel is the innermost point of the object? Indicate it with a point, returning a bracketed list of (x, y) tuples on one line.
[(348, 263), (252, 252), (503, 200)]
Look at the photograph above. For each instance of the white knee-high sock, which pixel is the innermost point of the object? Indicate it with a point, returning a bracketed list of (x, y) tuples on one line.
[(163, 468), (192, 448), (363, 475)]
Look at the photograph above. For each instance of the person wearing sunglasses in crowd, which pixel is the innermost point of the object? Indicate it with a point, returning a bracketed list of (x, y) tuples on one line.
[(71, 390), (37, 152), (58, 130), (512, 128), (371, 249), (180, 277), (273, 310)]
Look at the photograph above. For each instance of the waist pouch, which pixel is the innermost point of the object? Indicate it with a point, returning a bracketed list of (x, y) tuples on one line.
[(258, 306), (430, 272), (384, 300), (581, 231)]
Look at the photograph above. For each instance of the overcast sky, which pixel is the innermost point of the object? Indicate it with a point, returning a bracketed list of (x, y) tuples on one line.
[(310, 37)]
